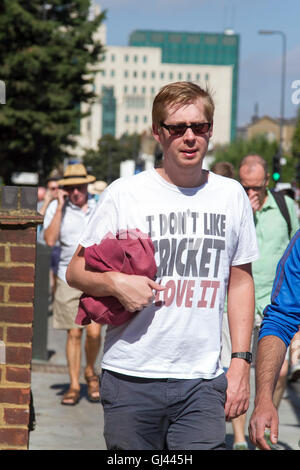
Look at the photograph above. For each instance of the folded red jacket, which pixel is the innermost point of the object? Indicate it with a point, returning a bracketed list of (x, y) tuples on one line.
[(129, 252)]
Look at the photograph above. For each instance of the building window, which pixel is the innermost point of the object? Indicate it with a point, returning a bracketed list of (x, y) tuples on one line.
[(144, 74), (145, 119), (180, 76), (136, 119), (162, 75), (126, 58), (135, 74), (188, 76), (198, 77), (171, 75), (113, 57), (153, 90), (134, 89), (126, 73), (143, 90), (127, 118), (112, 73), (206, 77), (152, 74), (135, 58), (125, 89), (145, 59)]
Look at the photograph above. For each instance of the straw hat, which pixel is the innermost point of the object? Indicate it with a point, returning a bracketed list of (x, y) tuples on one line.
[(75, 174), (97, 187)]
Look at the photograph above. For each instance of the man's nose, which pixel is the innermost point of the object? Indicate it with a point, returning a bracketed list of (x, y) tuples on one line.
[(189, 134)]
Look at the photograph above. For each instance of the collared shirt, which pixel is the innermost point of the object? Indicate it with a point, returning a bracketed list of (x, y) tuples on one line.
[(74, 222), (272, 238)]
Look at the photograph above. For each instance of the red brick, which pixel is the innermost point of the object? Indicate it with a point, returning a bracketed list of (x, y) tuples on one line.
[(1, 333), (14, 436), (21, 235), (19, 334), (18, 374), (18, 355), (22, 254), (16, 415), (2, 253), (15, 314), (17, 274), (17, 396), (21, 293)]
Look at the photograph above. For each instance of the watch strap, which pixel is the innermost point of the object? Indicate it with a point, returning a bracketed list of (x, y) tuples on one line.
[(247, 356)]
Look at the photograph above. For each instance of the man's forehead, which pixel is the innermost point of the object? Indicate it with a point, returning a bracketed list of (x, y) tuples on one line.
[(173, 109)]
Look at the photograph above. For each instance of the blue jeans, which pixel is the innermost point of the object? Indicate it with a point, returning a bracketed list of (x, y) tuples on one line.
[(159, 414)]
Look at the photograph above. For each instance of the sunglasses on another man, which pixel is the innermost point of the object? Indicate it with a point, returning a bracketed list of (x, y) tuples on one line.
[(178, 130)]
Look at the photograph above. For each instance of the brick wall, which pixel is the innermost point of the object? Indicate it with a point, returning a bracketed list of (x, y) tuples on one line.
[(18, 222)]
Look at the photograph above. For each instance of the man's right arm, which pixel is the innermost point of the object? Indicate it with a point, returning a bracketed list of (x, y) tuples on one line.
[(51, 233), (270, 356), (133, 292)]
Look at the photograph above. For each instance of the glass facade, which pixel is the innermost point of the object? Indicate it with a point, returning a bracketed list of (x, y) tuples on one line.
[(108, 111), (196, 48)]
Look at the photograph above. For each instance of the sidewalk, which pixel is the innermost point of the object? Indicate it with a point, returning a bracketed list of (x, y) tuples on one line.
[(80, 427)]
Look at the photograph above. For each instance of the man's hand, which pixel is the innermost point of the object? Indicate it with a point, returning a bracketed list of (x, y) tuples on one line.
[(238, 390), (254, 201), (264, 416), (134, 292)]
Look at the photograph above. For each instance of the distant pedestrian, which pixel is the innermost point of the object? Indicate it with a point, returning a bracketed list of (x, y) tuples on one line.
[(65, 220), (163, 386), (224, 168)]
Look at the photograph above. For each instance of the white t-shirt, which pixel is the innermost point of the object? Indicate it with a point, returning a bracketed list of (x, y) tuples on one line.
[(198, 233)]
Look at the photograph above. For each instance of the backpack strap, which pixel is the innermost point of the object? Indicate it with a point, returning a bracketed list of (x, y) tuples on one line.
[(281, 202)]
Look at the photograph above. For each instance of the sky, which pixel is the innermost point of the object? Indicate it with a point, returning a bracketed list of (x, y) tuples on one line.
[(260, 57)]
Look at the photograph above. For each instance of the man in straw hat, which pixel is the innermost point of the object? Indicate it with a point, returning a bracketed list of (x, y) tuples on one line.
[(163, 385), (65, 220)]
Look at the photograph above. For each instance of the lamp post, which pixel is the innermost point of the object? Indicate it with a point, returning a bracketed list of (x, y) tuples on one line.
[(283, 69)]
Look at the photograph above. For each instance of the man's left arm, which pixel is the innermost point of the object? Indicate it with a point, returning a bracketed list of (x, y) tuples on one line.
[(240, 309)]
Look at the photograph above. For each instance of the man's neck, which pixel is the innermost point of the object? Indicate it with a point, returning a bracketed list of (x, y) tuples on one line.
[(184, 179)]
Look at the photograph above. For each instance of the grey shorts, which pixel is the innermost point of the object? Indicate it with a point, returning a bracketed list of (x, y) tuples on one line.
[(159, 414), (65, 306)]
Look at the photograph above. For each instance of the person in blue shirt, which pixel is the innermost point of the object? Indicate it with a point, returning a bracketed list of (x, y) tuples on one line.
[(281, 322)]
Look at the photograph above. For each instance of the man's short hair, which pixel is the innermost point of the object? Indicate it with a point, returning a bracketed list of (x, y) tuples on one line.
[(223, 169), (180, 94), (252, 160)]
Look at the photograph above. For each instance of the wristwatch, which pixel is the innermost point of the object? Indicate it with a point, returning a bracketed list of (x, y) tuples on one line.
[(247, 356)]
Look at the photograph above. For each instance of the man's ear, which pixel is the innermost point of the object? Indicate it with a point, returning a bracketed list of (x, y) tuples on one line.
[(155, 132)]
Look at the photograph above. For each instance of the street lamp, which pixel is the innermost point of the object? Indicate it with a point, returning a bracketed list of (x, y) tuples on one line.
[(283, 69)]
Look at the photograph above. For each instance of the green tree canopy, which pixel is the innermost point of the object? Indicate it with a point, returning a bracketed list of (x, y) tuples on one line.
[(239, 148), (104, 163), (296, 138), (47, 50)]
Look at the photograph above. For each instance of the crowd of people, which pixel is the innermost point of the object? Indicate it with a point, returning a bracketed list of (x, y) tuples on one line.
[(225, 246)]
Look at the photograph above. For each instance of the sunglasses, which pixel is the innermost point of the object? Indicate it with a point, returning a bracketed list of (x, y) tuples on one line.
[(198, 128)]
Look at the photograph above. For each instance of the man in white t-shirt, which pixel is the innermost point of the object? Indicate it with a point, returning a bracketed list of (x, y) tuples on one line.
[(163, 386)]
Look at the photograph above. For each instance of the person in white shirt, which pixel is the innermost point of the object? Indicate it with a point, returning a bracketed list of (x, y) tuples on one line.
[(162, 385), (65, 220)]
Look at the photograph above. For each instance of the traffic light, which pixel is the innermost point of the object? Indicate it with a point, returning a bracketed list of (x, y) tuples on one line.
[(276, 170)]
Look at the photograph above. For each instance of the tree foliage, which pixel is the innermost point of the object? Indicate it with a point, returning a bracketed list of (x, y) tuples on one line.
[(46, 53), (239, 148), (104, 163), (296, 138)]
